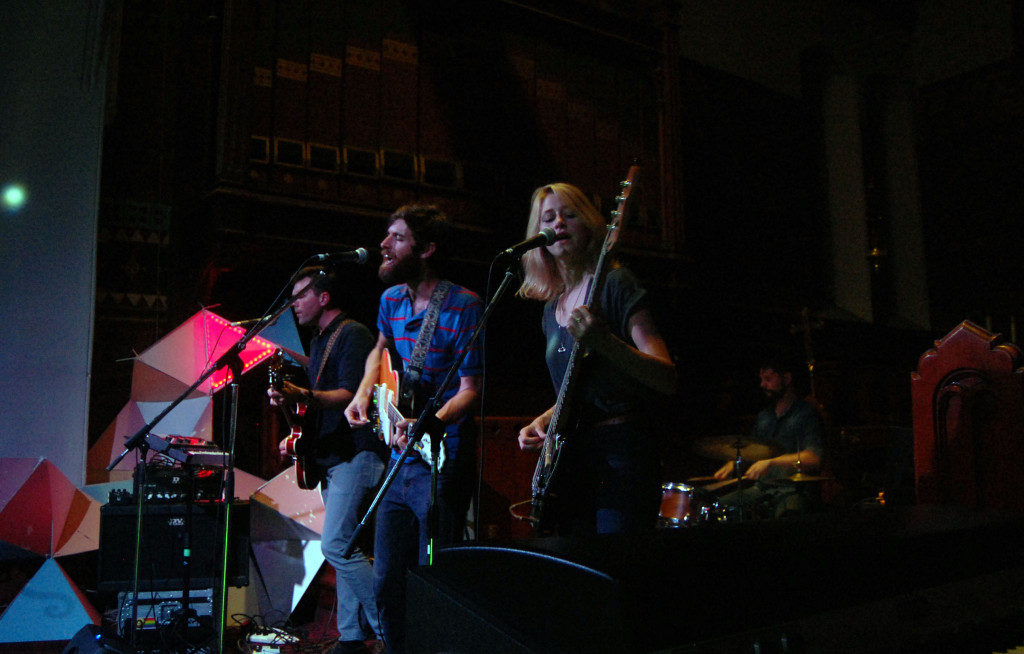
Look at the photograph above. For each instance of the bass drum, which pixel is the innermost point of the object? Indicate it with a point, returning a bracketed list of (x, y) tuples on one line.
[(686, 506)]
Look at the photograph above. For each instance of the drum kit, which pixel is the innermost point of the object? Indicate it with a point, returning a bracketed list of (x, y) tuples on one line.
[(696, 501)]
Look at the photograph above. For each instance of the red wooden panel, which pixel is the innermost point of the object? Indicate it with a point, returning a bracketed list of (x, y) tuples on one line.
[(968, 402), (507, 475)]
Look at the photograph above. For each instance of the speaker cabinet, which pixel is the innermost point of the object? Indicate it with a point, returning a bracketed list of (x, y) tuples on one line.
[(166, 530)]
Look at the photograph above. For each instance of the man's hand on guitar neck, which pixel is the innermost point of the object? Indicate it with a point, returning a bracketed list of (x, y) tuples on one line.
[(402, 429), (289, 393)]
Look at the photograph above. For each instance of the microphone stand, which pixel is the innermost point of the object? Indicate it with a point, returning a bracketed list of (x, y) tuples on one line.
[(231, 358), (428, 422)]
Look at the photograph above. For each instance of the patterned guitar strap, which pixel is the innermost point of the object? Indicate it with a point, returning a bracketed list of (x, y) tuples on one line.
[(413, 371)]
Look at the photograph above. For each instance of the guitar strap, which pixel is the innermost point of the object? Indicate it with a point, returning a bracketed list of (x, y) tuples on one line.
[(413, 372), (328, 349)]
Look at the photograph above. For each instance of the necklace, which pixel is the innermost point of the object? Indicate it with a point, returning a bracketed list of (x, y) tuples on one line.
[(572, 299)]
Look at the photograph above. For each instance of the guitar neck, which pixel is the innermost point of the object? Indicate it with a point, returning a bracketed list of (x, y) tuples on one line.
[(565, 391), (393, 413)]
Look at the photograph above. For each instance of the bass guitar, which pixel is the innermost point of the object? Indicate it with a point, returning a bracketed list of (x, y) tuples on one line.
[(564, 419), (297, 446), (386, 412)]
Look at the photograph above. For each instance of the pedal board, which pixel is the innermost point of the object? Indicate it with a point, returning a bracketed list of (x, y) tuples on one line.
[(157, 612)]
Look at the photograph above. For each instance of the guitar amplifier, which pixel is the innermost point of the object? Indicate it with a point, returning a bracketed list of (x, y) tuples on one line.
[(170, 485), (166, 530)]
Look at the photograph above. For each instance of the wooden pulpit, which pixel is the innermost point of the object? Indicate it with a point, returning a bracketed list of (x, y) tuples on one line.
[(968, 402)]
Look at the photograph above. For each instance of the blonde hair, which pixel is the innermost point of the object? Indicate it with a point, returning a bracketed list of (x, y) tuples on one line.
[(542, 279)]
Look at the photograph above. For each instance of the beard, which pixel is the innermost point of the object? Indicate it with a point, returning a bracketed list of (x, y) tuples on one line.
[(772, 395), (400, 271)]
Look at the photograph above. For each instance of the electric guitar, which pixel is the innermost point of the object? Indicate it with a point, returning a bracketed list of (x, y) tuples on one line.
[(296, 445), (386, 413), (564, 418)]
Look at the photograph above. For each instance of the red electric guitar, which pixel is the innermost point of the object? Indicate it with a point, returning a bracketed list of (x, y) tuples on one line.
[(296, 446)]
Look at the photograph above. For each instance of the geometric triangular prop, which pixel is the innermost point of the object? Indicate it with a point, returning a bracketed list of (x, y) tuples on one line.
[(192, 417), (201, 340), (285, 524), (101, 492), (284, 333), (47, 514), (281, 510), (285, 569), (49, 607), (81, 532), (13, 473), (246, 484)]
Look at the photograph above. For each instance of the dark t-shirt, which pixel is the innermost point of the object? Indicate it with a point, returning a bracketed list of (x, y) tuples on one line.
[(603, 390), (796, 430), (336, 441)]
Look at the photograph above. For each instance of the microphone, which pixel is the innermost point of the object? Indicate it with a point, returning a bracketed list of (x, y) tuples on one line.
[(546, 236), (355, 256), (251, 321)]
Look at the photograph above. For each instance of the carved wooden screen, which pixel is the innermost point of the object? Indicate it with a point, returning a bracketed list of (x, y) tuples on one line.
[(968, 401)]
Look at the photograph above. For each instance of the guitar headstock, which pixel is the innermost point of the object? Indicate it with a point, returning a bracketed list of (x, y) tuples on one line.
[(275, 369), (622, 204)]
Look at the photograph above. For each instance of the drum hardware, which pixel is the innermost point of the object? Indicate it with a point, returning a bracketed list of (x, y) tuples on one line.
[(716, 484), (686, 506)]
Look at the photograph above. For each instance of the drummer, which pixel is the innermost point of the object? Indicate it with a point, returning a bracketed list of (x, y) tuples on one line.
[(793, 425)]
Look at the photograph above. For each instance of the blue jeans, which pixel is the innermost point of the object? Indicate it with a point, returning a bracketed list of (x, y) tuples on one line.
[(346, 491), (403, 535)]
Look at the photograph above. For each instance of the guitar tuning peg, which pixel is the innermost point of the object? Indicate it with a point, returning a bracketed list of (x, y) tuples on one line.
[(625, 183), (620, 198)]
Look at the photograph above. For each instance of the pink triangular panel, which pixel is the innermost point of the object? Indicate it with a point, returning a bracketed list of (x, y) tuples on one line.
[(13, 473), (247, 484), (181, 353), (199, 342), (26, 521), (62, 495)]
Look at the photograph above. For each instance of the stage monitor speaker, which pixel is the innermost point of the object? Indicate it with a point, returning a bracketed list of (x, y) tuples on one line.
[(163, 537), (455, 606), (90, 639), (676, 588)]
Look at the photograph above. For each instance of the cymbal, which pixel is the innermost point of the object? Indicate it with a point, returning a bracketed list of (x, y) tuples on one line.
[(726, 448), (798, 478)]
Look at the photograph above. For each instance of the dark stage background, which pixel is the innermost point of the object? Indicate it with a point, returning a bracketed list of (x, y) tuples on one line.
[(242, 137)]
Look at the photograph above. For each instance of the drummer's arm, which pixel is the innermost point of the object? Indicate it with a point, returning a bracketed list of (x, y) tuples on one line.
[(726, 471), (808, 459)]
